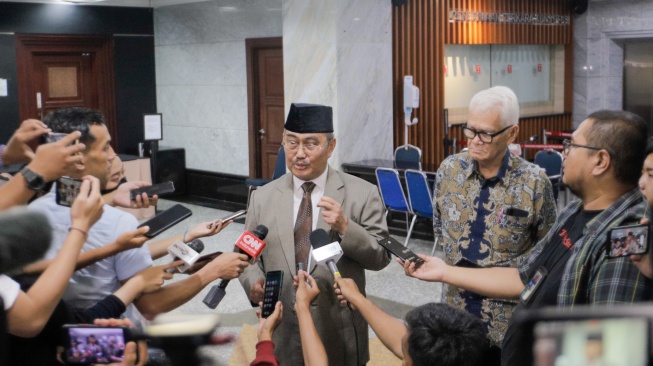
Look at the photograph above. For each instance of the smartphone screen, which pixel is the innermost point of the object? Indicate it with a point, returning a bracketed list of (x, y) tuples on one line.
[(89, 344), (67, 190), (166, 219), (273, 285), (626, 240), (400, 251)]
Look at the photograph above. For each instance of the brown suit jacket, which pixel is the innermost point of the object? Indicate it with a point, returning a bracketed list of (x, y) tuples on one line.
[(272, 206)]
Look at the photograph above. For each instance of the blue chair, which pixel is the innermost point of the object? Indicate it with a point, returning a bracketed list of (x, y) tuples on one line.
[(392, 194), (419, 197), (408, 157), (551, 161), (279, 170)]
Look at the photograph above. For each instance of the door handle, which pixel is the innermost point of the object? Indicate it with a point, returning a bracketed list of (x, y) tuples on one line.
[(261, 133)]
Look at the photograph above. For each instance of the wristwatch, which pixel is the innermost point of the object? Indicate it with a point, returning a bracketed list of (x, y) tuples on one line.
[(34, 181)]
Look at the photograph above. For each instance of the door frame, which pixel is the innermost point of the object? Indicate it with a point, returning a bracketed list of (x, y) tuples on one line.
[(102, 46), (252, 45)]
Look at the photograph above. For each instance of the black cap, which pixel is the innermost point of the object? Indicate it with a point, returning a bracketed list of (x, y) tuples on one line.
[(309, 118)]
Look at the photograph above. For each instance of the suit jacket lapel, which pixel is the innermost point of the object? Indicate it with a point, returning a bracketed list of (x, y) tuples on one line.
[(335, 190), (283, 216)]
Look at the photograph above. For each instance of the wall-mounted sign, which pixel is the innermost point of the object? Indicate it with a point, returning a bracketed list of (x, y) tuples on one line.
[(512, 18)]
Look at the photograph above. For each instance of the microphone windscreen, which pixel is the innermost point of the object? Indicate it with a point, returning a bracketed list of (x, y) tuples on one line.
[(261, 231), (319, 238), (197, 245), (25, 237)]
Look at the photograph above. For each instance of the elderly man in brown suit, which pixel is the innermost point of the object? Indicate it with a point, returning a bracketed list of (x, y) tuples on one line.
[(313, 196)]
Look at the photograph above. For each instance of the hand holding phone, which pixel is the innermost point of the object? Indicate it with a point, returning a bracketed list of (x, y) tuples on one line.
[(155, 189), (272, 291), (400, 251), (229, 217), (166, 219), (626, 240), (93, 344), (67, 189)]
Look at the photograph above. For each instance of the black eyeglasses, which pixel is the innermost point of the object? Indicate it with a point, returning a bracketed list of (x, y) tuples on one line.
[(485, 137), (567, 145)]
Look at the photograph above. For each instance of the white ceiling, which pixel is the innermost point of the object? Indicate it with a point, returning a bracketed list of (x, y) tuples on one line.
[(134, 3)]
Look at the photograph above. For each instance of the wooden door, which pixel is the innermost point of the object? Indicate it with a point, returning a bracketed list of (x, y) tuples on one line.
[(65, 71), (265, 102)]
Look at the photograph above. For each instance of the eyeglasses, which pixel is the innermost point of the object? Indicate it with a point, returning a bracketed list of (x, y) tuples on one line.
[(567, 145), (485, 137), (309, 147)]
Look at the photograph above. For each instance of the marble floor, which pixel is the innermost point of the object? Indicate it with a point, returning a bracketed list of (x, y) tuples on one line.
[(389, 288)]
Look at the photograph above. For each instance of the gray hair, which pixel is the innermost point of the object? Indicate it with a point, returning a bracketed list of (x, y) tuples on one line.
[(501, 98)]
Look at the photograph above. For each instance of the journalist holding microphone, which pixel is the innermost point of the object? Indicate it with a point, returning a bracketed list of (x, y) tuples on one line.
[(312, 196), (91, 284)]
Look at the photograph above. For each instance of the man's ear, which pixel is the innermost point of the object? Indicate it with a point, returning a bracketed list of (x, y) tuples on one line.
[(80, 165), (602, 162), (332, 146), (513, 134)]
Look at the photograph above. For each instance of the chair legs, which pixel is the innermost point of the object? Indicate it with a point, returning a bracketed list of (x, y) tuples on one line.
[(435, 245), (410, 230)]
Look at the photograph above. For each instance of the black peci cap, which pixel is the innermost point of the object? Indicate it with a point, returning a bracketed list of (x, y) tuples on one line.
[(309, 118)]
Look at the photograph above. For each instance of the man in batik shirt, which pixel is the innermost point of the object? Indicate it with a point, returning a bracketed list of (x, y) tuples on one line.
[(490, 206)]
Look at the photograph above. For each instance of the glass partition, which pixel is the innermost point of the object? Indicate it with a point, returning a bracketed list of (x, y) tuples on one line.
[(534, 72)]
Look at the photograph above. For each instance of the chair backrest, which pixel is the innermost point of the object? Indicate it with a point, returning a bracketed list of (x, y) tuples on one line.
[(550, 160), (280, 165), (419, 193), (392, 193), (408, 157)]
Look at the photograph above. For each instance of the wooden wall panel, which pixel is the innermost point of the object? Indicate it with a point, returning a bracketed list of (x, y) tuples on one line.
[(421, 28)]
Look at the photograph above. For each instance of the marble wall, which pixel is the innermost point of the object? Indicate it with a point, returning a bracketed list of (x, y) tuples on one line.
[(339, 53), (599, 34), (202, 79), (336, 52)]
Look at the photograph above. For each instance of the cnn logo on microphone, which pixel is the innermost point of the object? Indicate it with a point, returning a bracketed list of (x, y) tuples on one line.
[(250, 244)]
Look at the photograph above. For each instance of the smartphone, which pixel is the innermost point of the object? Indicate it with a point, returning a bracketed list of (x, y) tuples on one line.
[(91, 344), (626, 240), (166, 219), (400, 251), (229, 217), (67, 190), (273, 285), (234, 215), (54, 137), (158, 189)]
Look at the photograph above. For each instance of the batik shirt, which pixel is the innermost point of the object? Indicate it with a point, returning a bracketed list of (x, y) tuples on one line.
[(590, 277), (489, 223)]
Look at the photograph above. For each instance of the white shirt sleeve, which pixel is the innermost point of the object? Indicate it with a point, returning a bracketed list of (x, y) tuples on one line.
[(9, 290)]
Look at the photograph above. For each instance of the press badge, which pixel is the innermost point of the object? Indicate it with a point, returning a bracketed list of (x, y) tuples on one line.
[(532, 286)]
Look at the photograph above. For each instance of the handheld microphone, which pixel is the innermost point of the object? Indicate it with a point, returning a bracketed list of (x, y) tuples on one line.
[(189, 253), (324, 252), (25, 237), (248, 243)]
